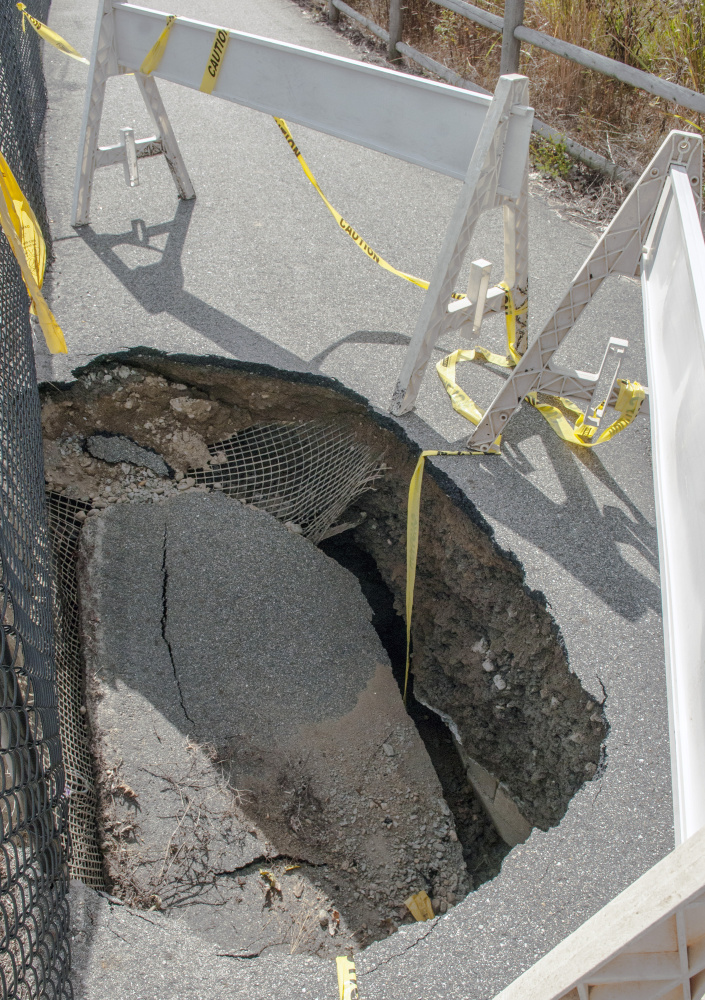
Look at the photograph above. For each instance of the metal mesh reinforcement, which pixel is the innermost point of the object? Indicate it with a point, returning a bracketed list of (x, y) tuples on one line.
[(34, 950), (305, 474), (86, 862)]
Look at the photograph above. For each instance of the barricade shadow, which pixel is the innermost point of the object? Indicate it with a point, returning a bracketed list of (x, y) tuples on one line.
[(388, 337), (558, 510), (159, 288)]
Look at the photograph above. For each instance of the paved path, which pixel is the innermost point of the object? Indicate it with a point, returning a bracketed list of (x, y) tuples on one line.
[(256, 269)]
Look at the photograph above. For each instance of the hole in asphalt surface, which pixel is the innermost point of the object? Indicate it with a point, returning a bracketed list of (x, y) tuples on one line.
[(308, 842)]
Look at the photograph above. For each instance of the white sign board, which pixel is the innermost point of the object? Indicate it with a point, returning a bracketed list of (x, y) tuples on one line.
[(427, 123), (673, 284)]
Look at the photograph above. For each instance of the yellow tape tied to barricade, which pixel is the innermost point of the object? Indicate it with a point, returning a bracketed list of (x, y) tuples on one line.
[(215, 61), (631, 394), (460, 400), (347, 978), (48, 35), (629, 399), (24, 235), (156, 53)]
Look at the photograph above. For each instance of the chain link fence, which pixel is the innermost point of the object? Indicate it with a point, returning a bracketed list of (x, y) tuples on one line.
[(34, 949), (23, 102)]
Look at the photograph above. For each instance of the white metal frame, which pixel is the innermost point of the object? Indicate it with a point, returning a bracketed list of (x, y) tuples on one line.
[(619, 251), (484, 189), (104, 64), (647, 944), (481, 139)]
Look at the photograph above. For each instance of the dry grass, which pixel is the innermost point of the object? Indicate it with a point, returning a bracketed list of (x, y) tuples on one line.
[(665, 37)]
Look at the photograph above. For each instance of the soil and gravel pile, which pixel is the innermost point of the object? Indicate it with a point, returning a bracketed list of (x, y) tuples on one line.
[(258, 771)]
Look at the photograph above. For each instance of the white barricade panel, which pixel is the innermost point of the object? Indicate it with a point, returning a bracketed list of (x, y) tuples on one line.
[(431, 124), (647, 944), (673, 283), (479, 139)]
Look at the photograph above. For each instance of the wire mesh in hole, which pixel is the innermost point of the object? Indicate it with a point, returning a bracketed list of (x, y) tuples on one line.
[(86, 861), (307, 473)]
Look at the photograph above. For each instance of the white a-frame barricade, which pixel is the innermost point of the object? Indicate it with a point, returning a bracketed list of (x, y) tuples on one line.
[(618, 251), (649, 942), (473, 137)]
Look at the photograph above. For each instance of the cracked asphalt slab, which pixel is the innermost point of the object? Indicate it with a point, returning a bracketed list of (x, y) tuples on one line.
[(242, 710), (256, 269)]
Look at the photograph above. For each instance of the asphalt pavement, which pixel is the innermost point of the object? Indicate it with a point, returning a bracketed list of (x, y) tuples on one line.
[(256, 269)]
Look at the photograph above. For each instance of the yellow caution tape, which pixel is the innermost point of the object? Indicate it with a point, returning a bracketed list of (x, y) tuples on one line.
[(419, 906), (48, 35), (155, 54), (510, 317), (25, 238), (24, 222), (631, 396), (412, 543), (215, 61), (345, 226), (347, 978), (629, 400), (460, 400), (462, 403)]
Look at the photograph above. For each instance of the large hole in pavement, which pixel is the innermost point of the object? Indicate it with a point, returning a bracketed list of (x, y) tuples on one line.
[(308, 842)]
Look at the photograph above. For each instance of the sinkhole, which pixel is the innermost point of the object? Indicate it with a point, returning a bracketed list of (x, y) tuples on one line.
[(228, 548)]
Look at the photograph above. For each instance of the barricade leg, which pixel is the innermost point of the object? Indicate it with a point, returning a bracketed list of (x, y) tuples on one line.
[(172, 153), (90, 156), (478, 195), (516, 258), (103, 65)]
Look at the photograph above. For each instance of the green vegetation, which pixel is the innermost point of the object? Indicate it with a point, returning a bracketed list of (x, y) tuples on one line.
[(550, 157)]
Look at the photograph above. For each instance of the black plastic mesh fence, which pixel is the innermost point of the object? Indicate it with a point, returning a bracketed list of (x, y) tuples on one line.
[(34, 949)]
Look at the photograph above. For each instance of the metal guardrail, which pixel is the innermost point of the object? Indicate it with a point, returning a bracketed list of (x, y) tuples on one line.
[(513, 32)]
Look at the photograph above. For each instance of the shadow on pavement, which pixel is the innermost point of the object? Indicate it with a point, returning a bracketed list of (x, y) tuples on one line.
[(582, 533), (159, 287)]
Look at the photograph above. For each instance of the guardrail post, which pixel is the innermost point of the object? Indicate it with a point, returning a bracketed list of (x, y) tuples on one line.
[(395, 27), (333, 13), (511, 46)]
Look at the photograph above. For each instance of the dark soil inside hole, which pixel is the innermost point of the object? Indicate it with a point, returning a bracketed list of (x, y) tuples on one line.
[(483, 848)]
